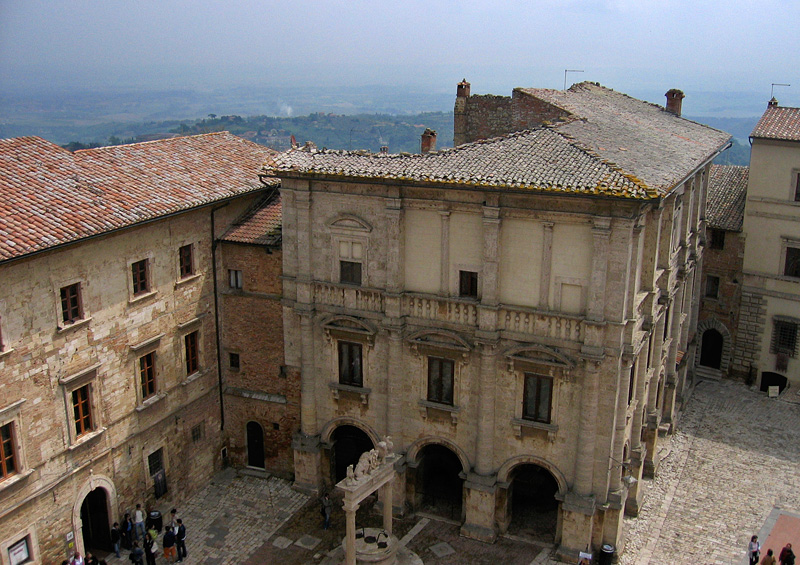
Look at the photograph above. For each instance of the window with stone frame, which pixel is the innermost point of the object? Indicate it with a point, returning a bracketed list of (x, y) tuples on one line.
[(140, 277), (537, 398), (186, 260), (8, 451), (784, 337), (147, 374), (716, 238), (468, 284), (796, 186), (791, 267), (440, 380), (21, 551), (82, 410), (712, 286), (235, 279), (190, 342), (350, 363), (71, 304), (351, 255)]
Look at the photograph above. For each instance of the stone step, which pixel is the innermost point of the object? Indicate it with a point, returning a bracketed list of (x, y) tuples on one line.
[(708, 373)]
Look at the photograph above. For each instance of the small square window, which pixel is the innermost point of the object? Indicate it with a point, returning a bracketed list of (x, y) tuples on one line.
[(71, 307), (185, 261), (140, 277), (712, 286), (538, 398), (350, 364), (147, 374), (235, 278), (198, 432), (82, 410), (350, 272), (792, 266), (192, 358), (440, 380), (468, 284), (8, 452), (716, 239), (233, 361)]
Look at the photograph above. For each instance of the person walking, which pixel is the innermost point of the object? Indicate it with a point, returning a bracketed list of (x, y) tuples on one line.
[(754, 550), (327, 507), (150, 549), (180, 540), (115, 538), (126, 532), (769, 559), (787, 555), (137, 553), (169, 545), (138, 522)]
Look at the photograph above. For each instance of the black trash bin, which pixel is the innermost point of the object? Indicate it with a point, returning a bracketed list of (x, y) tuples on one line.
[(606, 555), (155, 521)]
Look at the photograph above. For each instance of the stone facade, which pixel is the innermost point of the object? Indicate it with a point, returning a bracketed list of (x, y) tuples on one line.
[(563, 322)]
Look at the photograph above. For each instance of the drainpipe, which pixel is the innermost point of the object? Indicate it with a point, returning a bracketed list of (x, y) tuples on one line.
[(216, 316)]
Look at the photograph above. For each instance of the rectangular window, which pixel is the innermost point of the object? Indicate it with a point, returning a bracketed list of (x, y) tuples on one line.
[(784, 338), (350, 272), (440, 380), (192, 360), (147, 374), (235, 278), (8, 456), (712, 286), (538, 395), (1, 334), (351, 256), (350, 364), (139, 271), (71, 310), (468, 284), (20, 552), (233, 361), (716, 239), (631, 384), (82, 410), (792, 266), (197, 432), (797, 187), (155, 462), (185, 260)]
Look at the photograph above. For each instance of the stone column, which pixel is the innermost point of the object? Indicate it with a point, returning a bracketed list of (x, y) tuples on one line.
[(387, 507), (620, 421), (484, 445), (653, 410), (308, 403), (671, 381), (350, 539), (601, 233), (491, 250), (396, 388), (637, 453), (584, 459), (444, 262), (547, 263)]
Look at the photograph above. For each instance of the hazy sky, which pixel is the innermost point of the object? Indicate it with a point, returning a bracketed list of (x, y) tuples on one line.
[(629, 45)]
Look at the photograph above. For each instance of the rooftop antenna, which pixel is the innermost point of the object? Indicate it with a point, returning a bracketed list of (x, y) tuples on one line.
[(772, 90), (569, 71)]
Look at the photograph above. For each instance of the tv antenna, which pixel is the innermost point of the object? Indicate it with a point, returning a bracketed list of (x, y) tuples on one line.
[(774, 84), (569, 71)]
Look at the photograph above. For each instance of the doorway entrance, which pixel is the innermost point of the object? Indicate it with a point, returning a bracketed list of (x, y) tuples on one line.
[(439, 486), (769, 379), (255, 445), (95, 522), (349, 442), (711, 349), (534, 508)]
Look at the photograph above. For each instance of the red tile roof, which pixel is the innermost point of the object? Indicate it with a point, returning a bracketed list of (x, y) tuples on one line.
[(50, 196), (727, 190), (260, 225), (779, 123)]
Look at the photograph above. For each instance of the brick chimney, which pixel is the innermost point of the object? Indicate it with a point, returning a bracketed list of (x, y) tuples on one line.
[(462, 90), (674, 101), (428, 141)]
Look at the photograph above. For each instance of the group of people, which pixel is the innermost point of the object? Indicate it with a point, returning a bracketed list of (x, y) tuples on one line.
[(786, 556), (142, 539), (90, 559)]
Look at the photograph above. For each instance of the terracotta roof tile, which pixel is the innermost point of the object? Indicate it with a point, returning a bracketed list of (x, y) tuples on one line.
[(260, 225), (727, 190), (51, 196), (779, 123)]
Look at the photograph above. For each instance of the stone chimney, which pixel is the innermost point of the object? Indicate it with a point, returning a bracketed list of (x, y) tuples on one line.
[(462, 90), (460, 113), (428, 141), (674, 101), (773, 103)]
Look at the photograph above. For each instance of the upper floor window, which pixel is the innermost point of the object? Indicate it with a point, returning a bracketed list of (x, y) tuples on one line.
[(351, 255), (2, 348), (791, 267), (537, 398), (140, 276), (71, 306), (147, 374), (712, 286), (796, 186), (440, 380), (468, 284), (186, 260), (233, 361), (82, 410), (350, 368), (235, 279), (716, 239), (192, 357), (8, 451), (784, 337)]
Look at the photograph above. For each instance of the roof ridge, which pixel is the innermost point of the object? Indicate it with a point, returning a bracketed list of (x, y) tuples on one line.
[(163, 140)]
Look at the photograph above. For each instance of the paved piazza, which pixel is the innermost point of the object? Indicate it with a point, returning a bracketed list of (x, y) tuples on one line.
[(731, 470)]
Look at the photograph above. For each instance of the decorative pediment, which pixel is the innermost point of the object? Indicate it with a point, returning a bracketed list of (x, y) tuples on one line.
[(348, 327), (528, 357), (349, 223), (439, 342)]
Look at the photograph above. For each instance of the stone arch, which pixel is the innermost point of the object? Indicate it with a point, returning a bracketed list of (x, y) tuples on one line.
[(349, 222), (715, 324), (508, 466), (541, 354), (93, 482), (330, 427), (412, 453)]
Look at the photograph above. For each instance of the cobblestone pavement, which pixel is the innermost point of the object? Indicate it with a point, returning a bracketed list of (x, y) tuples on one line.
[(732, 464)]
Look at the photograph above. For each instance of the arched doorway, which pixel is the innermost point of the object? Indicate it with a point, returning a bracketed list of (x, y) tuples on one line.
[(95, 523), (711, 349), (769, 379), (349, 442), (533, 504), (439, 487), (255, 445)]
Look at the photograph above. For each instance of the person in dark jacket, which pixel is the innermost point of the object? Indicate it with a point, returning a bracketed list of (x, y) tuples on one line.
[(150, 549), (136, 554), (169, 545), (115, 537), (787, 555), (180, 540)]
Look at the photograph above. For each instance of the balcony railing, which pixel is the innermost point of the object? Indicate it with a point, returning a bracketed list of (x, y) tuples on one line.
[(350, 297)]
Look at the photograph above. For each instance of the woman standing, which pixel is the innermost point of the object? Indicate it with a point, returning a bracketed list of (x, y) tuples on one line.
[(754, 550)]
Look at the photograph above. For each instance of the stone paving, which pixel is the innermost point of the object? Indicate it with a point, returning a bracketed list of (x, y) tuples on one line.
[(728, 471)]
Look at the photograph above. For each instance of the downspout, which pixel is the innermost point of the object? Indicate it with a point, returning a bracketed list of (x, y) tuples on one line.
[(216, 316)]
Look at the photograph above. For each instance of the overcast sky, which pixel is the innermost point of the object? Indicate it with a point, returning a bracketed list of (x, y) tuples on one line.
[(628, 45)]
